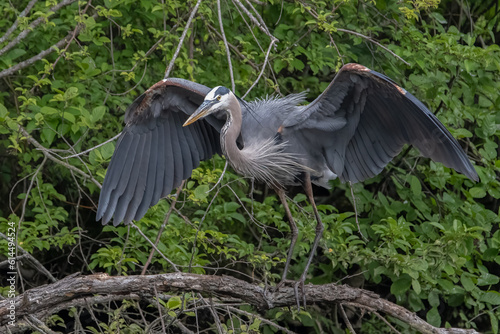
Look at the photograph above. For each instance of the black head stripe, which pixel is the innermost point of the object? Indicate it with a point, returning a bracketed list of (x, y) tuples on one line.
[(221, 91)]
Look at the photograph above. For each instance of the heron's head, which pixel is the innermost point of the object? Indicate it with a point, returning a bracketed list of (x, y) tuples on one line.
[(217, 99)]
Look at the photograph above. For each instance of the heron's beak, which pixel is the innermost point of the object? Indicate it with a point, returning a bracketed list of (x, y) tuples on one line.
[(202, 111)]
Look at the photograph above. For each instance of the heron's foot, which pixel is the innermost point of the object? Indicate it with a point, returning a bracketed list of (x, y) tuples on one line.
[(296, 285), (300, 283), (283, 282)]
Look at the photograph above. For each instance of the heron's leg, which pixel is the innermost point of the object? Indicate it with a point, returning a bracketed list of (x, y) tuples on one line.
[(319, 231), (294, 230)]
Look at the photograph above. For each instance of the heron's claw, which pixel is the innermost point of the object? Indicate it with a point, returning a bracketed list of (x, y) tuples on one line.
[(296, 285), (281, 284)]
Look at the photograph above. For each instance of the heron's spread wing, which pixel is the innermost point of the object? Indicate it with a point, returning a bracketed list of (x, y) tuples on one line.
[(155, 152), (363, 119)]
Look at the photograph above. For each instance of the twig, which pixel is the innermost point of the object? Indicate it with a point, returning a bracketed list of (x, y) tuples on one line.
[(38, 325), (315, 15), (155, 248), (43, 53), (234, 48), (33, 25), (92, 148), (346, 319), (28, 191), (220, 178), (33, 260), (162, 228), (181, 40), (250, 29), (261, 26), (47, 153), (214, 315), (356, 211), (228, 53), (374, 42), (257, 14), (264, 320), (64, 50), (386, 322), (13, 27), (273, 41)]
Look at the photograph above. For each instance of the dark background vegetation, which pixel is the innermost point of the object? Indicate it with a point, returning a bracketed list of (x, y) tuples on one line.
[(432, 236)]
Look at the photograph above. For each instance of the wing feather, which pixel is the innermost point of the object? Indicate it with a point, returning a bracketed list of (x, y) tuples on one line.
[(143, 173), (364, 119), (153, 176), (127, 191), (155, 153)]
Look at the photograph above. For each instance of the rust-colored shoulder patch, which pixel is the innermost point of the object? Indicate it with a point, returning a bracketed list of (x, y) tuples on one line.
[(356, 67), (401, 90)]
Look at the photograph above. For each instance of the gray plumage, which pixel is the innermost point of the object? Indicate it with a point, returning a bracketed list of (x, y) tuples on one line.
[(352, 130)]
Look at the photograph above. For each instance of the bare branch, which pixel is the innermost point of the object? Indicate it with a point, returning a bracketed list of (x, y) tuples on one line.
[(33, 260), (49, 155), (43, 299), (273, 41), (13, 27), (92, 148), (264, 320), (234, 48), (260, 25), (33, 25), (228, 53), (43, 53), (315, 15), (162, 228), (155, 248), (374, 42), (75, 32), (181, 40), (346, 319)]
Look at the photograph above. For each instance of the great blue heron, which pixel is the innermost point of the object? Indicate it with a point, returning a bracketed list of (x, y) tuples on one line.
[(351, 131)]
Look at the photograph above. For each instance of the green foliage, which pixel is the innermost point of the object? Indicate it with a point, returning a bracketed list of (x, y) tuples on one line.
[(424, 235)]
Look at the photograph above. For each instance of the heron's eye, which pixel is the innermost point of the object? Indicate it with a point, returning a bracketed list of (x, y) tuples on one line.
[(218, 97)]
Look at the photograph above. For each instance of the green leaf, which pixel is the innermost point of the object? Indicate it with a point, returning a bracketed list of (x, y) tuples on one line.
[(98, 114), (201, 192), (416, 286), (415, 185), (494, 320), (401, 285), (174, 303), (3, 112), (107, 151), (48, 110), (467, 282), (278, 65), (487, 279), (477, 192), (70, 93), (297, 64), (491, 297), (433, 317), (433, 298)]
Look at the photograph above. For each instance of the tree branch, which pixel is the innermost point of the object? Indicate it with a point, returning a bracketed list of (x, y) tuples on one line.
[(13, 27), (44, 53), (41, 300), (33, 24), (49, 155), (181, 40)]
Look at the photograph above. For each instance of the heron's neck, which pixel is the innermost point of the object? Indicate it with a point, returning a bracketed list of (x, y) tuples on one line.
[(229, 134), (265, 160)]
